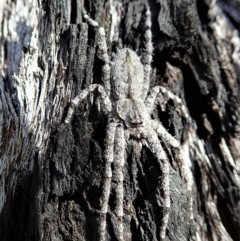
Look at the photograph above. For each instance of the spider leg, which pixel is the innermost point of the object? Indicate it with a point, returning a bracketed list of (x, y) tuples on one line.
[(137, 148), (104, 99), (109, 157), (184, 167), (102, 52), (119, 164), (160, 90), (149, 52), (152, 139)]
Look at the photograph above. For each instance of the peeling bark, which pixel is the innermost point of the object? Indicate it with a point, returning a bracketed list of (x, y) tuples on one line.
[(51, 173)]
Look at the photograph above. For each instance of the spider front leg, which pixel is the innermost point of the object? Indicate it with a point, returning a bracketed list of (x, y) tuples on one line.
[(152, 140), (114, 154), (119, 161), (109, 151), (108, 158), (163, 133), (185, 168)]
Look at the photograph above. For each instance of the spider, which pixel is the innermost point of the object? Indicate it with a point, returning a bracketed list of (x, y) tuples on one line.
[(128, 102)]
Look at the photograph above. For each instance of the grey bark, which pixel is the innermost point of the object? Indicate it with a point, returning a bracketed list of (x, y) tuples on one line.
[(51, 173)]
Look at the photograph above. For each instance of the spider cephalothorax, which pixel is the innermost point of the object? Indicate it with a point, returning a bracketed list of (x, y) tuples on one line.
[(128, 102)]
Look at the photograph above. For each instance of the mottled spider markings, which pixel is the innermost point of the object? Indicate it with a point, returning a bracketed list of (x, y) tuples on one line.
[(128, 102)]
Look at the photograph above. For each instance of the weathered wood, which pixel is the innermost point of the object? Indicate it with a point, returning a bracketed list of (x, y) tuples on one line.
[(51, 173)]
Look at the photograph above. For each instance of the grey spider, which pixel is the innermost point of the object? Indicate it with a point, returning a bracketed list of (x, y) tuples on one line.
[(127, 100)]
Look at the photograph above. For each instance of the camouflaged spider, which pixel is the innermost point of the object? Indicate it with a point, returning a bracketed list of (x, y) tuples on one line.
[(128, 102)]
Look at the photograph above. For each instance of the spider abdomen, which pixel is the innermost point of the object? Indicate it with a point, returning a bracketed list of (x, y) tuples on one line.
[(127, 75)]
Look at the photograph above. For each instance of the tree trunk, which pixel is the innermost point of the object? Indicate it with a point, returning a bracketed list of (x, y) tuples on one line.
[(52, 173)]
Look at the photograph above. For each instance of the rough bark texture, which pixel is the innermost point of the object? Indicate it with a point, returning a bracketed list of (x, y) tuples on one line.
[(51, 173)]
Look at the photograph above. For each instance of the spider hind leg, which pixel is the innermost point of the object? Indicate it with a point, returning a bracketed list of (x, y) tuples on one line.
[(102, 51)]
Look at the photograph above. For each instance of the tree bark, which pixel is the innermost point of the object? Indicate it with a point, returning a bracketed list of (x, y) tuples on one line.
[(51, 173)]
